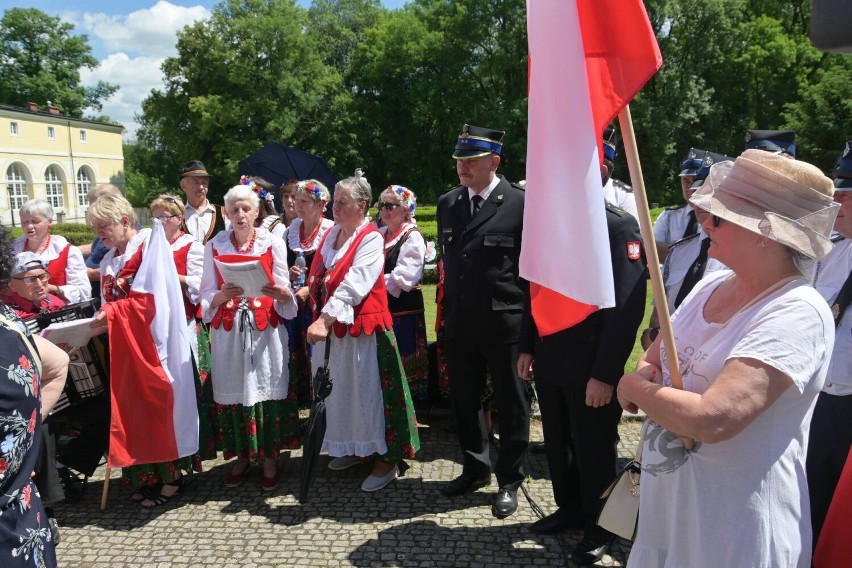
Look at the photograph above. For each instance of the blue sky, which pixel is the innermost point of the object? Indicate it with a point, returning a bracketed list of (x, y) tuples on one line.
[(130, 38)]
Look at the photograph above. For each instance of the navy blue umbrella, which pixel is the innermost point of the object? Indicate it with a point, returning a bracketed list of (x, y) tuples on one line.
[(277, 163)]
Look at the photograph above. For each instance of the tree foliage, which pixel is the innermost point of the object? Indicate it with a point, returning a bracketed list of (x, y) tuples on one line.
[(388, 90), (40, 60)]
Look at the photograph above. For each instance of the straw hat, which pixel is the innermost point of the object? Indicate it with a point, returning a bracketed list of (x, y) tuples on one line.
[(787, 200)]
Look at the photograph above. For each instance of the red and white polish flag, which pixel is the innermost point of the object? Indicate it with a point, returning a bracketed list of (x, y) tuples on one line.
[(154, 413), (587, 60)]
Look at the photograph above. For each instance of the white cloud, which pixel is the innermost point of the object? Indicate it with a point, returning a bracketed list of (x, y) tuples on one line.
[(135, 76), (137, 45)]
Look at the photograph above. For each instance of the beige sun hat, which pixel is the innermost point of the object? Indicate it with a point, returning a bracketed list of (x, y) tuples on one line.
[(786, 200)]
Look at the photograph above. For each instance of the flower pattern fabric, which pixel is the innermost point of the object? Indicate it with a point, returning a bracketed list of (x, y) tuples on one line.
[(25, 538)]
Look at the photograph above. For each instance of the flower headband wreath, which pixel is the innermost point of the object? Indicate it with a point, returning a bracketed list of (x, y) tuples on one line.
[(310, 187), (260, 191), (405, 195)]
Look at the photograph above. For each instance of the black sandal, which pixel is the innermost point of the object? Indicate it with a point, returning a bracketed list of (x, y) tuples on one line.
[(145, 492), (160, 499)]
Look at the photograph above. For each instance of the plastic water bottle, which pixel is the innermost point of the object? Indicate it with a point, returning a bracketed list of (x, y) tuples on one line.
[(301, 265)]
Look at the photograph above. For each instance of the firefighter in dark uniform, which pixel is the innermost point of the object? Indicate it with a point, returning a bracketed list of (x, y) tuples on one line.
[(576, 371), (479, 227)]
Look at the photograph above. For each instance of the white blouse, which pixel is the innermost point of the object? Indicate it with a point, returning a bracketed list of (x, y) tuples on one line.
[(366, 268), (293, 237), (264, 241), (194, 265), (408, 271)]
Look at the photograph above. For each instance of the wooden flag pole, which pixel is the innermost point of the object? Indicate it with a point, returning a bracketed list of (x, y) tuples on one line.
[(628, 137)]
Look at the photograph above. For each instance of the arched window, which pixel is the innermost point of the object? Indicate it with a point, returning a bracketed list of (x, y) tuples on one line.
[(84, 185), (53, 187), (16, 185)]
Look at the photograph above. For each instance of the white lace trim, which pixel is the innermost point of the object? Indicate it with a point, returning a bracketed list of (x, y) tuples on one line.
[(403, 230), (294, 242), (223, 245)]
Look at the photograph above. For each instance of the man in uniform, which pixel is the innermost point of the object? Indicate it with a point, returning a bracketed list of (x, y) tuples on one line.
[(202, 218), (678, 222), (479, 227), (616, 191), (831, 424), (576, 371), (776, 141)]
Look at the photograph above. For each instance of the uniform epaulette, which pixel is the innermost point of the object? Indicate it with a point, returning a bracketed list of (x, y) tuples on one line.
[(516, 186), (622, 186), (615, 209), (685, 240), (836, 237), (675, 207)]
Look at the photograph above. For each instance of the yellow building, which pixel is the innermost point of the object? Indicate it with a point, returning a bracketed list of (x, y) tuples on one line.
[(44, 154)]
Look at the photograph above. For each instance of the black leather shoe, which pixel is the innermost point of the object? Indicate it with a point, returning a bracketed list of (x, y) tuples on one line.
[(464, 484), (590, 552), (557, 522), (505, 503)]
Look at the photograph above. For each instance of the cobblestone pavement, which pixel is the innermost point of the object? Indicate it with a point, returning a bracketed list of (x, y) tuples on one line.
[(410, 523)]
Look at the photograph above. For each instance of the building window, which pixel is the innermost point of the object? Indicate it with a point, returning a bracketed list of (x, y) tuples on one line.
[(84, 184), (53, 188), (83, 136), (16, 185), (13, 128), (51, 133)]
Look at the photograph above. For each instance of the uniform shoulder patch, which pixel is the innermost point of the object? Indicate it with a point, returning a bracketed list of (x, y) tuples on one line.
[(622, 186), (675, 207), (634, 250), (617, 210)]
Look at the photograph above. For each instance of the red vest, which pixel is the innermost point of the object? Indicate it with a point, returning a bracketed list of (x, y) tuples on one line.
[(372, 313), (56, 267), (262, 306)]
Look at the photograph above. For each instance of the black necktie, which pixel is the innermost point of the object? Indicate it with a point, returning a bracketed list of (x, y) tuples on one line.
[(691, 225), (695, 273), (477, 203)]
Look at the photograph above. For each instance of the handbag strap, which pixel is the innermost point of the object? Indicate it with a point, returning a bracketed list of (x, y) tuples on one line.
[(328, 347)]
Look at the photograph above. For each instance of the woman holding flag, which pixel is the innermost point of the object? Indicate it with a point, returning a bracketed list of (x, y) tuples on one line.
[(753, 346), (115, 222)]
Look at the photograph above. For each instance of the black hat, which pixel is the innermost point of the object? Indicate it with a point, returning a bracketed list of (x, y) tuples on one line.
[(475, 141), (194, 168), (703, 171), (843, 174), (775, 141), (610, 141)]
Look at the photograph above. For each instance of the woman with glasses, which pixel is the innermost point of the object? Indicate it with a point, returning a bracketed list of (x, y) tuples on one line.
[(114, 221), (405, 257), (303, 237), (189, 260), (257, 411), (370, 413), (68, 277)]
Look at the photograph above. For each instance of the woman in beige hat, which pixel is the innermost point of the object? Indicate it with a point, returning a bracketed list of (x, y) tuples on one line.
[(753, 346)]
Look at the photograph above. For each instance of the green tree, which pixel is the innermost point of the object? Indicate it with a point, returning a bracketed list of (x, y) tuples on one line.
[(40, 61)]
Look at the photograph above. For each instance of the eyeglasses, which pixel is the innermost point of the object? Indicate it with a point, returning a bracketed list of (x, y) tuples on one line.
[(717, 220), (43, 277), (385, 205), (164, 218)]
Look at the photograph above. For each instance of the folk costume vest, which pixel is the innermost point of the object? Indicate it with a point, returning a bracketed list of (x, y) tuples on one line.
[(372, 313), (408, 302)]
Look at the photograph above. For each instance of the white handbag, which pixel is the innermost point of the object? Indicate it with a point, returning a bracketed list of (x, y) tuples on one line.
[(620, 512)]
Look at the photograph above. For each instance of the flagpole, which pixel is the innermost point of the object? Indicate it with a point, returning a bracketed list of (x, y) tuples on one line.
[(628, 137)]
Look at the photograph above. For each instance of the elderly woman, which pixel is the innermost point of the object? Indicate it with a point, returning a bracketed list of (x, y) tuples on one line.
[(753, 346), (405, 256), (115, 222), (370, 412), (189, 261), (303, 237), (257, 413), (68, 277), (34, 377)]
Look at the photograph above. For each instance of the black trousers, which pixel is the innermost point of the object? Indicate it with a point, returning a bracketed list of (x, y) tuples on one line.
[(580, 444), (46, 475), (828, 447), (468, 362)]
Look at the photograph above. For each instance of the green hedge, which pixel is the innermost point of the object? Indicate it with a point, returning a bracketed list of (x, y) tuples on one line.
[(76, 233)]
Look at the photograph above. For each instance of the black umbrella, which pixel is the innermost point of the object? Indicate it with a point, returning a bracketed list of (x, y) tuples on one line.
[(315, 425), (277, 163)]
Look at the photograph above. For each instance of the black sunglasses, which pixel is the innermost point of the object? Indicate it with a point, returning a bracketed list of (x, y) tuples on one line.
[(389, 206)]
